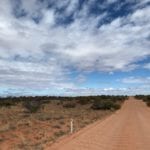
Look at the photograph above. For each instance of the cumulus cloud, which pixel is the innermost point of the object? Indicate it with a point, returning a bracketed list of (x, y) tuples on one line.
[(41, 42)]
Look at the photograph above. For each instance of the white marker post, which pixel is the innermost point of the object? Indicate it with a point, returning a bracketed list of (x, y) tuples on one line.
[(71, 126)]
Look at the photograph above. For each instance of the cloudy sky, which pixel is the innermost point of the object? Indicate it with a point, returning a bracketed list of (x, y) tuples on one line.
[(74, 47)]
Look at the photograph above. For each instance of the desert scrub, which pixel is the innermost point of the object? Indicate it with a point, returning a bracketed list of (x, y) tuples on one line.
[(32, 106), (43, 117), (145, 98), (59, 133), (105, 105), (69, 105), (6, 103), (5, 128), (56, 127), (84, 101), (148, 103)]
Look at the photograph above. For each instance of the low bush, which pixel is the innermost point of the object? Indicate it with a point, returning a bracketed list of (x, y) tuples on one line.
[(116, 106), (57, 126), (148, 104), (7, 103), (59, 133), (84, 101), (44, 117), (105, 105), (32, 106), (69, 105), (145, 98)]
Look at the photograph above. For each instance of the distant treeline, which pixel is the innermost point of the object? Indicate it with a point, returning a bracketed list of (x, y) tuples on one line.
[(23, 98), (44, 99)]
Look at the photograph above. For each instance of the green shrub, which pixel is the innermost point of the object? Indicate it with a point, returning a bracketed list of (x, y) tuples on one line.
[(105, 105), (32, 106)]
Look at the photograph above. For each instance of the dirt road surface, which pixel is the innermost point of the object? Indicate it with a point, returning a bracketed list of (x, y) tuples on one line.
[(127, 129)]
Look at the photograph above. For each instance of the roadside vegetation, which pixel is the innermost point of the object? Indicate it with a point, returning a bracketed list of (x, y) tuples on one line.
[(145, 98), (105, 105), (42, 120), (33, 104)]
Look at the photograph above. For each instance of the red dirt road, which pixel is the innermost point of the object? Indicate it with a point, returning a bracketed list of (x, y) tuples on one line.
[(127, 129)]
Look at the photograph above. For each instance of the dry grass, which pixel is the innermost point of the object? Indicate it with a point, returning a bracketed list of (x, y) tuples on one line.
[(5, 128), (22, 130)]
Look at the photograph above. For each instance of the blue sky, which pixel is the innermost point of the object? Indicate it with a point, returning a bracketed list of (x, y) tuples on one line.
[(74, 47)]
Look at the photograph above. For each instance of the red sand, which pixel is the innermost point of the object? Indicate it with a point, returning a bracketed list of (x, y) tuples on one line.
[(127, 129)]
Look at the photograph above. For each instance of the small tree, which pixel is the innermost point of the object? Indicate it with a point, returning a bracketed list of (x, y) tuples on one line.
[(32, 106)]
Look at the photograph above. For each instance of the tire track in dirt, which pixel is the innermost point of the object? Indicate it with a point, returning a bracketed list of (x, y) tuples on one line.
[(127, 129)]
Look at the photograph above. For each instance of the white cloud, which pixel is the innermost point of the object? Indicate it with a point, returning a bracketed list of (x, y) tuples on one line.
[(81, 78), (137, 80), (108, 91), (47, 50), (111, 1), (33, 75), (147, 66), (48, 18)]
